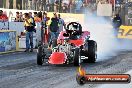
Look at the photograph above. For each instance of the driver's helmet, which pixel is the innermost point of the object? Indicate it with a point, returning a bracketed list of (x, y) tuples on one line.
[(74, 26)]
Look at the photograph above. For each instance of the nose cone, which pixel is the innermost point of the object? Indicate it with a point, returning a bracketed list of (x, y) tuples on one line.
[(57, 58)]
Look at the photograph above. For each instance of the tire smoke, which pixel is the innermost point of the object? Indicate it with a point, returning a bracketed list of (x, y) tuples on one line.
[(101, 30)]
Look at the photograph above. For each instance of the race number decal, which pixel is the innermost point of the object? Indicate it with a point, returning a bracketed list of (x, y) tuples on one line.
[(125, 32)]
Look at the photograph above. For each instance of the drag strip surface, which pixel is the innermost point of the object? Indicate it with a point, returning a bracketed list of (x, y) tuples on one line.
[(16, 58), (20, 70)]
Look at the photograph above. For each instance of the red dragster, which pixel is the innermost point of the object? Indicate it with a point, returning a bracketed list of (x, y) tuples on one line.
[(72, 46)]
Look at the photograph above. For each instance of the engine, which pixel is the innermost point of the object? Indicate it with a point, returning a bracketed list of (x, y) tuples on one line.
[(66, 48)]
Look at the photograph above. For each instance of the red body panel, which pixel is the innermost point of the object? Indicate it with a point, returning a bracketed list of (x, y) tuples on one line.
[(77, 42), (57, 58)]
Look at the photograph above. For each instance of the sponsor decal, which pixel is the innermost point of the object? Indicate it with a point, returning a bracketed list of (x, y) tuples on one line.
[(82, 78), (125, 32), (7, 41)]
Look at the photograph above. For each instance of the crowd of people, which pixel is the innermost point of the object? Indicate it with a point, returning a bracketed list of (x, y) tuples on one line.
[(67, 6), (20, 16), (49, 26)]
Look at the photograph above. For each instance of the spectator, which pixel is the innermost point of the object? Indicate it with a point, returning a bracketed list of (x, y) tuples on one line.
[(48, 6), (3, 17), (71, 6), (30, 14), (61, 23), (54, 30), (39, 16), (35, 16), (56, 5), (64, 7), (29, 32), (84, 7), (21, 17), (117, 22), (18, 18), (51, 3), (44, 30), (78, 4)]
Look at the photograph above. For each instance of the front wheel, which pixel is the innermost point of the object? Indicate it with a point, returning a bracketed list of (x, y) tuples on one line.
[(76, 57), (40, 55), (92, 52)]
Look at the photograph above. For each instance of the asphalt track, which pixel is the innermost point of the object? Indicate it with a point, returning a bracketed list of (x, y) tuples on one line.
[(19, 70)]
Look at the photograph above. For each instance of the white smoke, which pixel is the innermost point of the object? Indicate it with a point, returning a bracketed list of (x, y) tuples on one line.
[(103, 33)]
